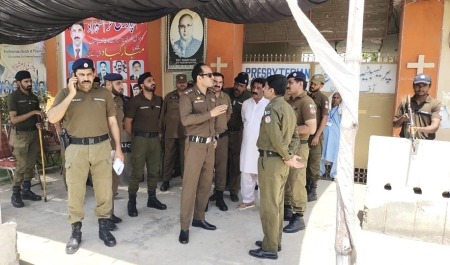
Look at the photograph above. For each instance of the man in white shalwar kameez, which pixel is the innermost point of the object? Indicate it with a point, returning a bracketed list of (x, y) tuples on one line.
[(252, 113)]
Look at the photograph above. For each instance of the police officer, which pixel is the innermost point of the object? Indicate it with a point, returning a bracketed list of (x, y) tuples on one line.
[(275, 142), (198, 112), (23, 107), (113, 82), (425, 109), (142, 122), (295, 198), (88, 115), (238, 94), (315, 140), (221, 152), (172, 130)]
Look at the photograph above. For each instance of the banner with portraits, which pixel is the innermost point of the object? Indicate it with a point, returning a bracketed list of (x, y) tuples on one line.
[(186, 40), (114, 47), (14, 58)]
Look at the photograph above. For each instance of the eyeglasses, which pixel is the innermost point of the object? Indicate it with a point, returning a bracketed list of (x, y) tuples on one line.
[(210, 75)]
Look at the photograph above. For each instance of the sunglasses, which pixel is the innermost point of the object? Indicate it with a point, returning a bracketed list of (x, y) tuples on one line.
[(210, 75)]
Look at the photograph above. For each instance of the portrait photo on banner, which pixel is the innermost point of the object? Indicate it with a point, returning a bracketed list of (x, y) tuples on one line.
[(186, 40), (114, 47)]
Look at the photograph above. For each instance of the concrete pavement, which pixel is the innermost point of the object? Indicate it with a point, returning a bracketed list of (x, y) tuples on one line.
[(152, 237)]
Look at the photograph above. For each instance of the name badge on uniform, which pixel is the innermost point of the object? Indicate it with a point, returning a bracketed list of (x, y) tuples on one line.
[(144, 107), (158, 107), (21, 101), (199, 101), (99, 99), (77, 100)]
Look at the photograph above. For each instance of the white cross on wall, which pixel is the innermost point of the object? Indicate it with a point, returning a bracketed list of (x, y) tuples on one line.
[(218, 64), (420, 64)]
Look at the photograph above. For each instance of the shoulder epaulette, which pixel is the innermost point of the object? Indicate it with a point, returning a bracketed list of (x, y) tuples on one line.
[(188, 91)]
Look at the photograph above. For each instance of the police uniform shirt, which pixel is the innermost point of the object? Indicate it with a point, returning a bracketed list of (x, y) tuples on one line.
[(321, 102), (236, 103), (305, 108), (221, 120), (144, 112), (22, 104), (170, 122), (423, 114), (118, 104), (195, 113), (87, 114), (277, 128)]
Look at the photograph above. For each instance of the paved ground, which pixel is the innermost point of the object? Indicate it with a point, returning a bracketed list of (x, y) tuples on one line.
[(152, 238)]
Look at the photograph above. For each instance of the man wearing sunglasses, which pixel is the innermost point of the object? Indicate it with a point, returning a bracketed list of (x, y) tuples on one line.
[(198, 111)]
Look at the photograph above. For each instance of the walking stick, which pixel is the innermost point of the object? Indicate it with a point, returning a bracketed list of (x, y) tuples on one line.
[(42, 160)]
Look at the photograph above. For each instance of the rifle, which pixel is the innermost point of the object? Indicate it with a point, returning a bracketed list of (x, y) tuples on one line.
[(412, 133)]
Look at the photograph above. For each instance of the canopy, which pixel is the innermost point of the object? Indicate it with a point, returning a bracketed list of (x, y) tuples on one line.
[(30, 21)]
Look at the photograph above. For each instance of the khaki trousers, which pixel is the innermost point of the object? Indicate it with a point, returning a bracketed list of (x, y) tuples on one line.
[(272, 174), (197, 180), (295, 191), (80, 159)]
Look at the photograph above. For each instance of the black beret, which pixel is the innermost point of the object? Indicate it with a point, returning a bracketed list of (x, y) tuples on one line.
[(143, 77), (83, 63), (22, 75), (242, 78), (113, 77)]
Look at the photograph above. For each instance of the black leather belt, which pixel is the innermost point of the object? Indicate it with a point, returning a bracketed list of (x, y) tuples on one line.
[(199, 139), (27, 129), (89, 140), (145, 134), (225, 133), (268, 153), (303, 141), (233, 129)]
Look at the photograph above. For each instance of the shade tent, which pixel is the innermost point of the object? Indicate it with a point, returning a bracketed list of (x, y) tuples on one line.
[(31, 21)]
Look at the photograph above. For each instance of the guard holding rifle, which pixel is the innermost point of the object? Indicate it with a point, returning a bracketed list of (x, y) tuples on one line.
[(88, 115), (419, 117)]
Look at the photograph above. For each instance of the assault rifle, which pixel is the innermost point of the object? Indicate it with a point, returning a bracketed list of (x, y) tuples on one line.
[(412, 133)]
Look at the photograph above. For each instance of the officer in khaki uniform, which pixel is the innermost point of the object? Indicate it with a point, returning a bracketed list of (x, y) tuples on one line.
[(276, 141), (113, 82), (198, 112), (88, 114), (295, 197), (221, 152), (23, 107), (238, 94), (142, 122), (315, 141), (172, 130)]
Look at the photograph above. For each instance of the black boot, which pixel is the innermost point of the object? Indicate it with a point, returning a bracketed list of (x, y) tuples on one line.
[(219, 201), (212, 197), (132, 211), (75, 239), (115, 219), (104, 234), (27, 194), (295, 224), (153, 202), (312, 194), (164, 186), (16, 198), (287, 212), (111, 225)]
